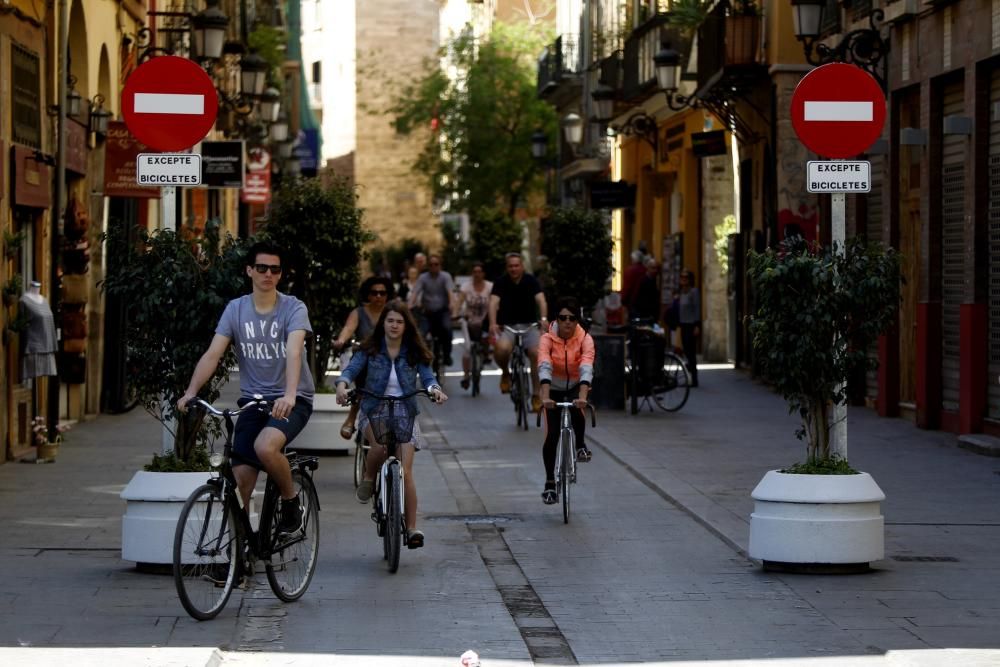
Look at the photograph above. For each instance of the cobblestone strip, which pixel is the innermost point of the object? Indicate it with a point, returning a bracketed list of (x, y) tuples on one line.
[(541, 635), (263, 617)]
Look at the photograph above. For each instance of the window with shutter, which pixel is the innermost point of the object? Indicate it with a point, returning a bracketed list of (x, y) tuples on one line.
[(993, 220)]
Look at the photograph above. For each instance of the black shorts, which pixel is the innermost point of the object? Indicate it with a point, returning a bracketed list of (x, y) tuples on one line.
[(251, 423)]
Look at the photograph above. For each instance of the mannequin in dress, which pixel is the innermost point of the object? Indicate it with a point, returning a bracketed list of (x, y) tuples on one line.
[(40, 337)]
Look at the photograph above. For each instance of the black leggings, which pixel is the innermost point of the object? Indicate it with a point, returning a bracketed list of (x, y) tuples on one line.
[(553, 427)]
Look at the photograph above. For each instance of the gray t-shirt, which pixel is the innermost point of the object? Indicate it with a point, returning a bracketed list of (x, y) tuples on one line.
[(433, 292), (260, 344)]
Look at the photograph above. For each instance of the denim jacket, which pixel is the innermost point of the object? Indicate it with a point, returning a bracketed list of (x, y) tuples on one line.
[(379, 367)]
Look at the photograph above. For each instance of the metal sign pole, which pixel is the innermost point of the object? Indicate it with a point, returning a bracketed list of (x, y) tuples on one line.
[(838, 236)]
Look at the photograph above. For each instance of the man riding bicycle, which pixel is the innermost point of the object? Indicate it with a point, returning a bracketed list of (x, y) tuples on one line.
[(566, 369), (517, 301), (270, 328), (433, 297)]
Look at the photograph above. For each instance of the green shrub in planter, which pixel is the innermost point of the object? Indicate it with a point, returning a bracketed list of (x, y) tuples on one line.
[(578, 245), (818, 311)]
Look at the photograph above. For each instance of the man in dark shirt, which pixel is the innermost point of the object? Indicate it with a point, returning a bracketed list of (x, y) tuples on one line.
[(517, 300)]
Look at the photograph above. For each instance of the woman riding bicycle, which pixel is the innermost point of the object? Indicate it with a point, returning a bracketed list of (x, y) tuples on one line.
[(393, 356), (475, 296), (375, 292), (566, 370)]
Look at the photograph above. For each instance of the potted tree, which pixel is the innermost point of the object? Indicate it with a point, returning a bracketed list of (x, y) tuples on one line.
[(573, 238), (818, 310), (174, 286)]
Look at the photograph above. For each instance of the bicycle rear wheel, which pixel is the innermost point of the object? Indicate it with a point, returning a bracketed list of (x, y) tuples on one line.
[(525, 396), (393, 517), (207, 548), (675, 385), (293, 561), (568, 453)]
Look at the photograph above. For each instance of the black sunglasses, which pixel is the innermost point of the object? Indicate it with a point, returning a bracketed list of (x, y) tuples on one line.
[(263, 268), (567, 318), (377, 292)]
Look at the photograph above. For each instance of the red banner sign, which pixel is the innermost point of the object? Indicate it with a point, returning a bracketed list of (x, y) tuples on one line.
[(257, 185), (120, 151)]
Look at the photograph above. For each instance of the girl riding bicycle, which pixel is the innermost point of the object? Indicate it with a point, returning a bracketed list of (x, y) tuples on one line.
[(566, 370), (393, 356)]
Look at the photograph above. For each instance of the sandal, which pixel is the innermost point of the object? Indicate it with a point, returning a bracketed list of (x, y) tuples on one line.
[(414, 539), (347, 431)]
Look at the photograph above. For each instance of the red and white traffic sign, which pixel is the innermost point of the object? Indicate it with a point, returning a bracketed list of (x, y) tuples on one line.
[(169, 103), (838, 110)]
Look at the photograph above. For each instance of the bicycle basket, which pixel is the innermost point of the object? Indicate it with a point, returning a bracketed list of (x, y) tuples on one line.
[(391, 418)]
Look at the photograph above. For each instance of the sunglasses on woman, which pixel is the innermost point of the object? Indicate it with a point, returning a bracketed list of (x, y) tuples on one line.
[(378, 292), (263, 268), (567, 318)]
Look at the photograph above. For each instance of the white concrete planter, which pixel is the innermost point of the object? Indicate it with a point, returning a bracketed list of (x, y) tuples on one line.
[(153, 504), (327, 403), (817, 520)]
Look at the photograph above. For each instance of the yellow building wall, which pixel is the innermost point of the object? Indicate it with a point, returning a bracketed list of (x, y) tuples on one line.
[(780, 45)]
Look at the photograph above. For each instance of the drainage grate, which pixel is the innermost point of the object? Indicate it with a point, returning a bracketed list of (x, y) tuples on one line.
[(926, 559), (473, 518)]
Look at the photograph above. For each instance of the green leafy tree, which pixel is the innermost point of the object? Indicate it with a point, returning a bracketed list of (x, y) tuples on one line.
[(818, 311), (173, 287), (320, 229), (394, 257), (493, 234), (578, 245), (482, 106)]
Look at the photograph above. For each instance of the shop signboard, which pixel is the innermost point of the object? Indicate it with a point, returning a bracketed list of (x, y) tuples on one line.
[(120, 152), (258, 181), (222, 164)]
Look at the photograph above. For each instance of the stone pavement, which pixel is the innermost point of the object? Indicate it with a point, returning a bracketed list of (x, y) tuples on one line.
[(651, 569)]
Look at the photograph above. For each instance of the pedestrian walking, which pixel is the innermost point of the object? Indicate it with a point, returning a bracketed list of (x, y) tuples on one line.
[(689, 318)]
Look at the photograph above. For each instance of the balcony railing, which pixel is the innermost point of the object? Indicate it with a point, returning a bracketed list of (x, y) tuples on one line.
[(560, 60), (726, 41), (637, 59)]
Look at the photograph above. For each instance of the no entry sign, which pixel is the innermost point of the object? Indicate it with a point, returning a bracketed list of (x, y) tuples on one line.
[(838, 110), (169, 103)]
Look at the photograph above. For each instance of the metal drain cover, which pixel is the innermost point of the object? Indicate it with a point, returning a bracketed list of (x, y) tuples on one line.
[(473, 518)]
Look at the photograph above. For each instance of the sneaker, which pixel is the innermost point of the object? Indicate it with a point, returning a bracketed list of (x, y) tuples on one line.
[(583, 455), (465, 382), (549, 495), (290, 520), (365, 490), (536, 403), (505, 383), (448, 361)]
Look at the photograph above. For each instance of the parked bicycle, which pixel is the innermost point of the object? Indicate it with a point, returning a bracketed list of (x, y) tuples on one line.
[(520, 372), (215, 545), (391, 423), (654, 373), (566, 452)]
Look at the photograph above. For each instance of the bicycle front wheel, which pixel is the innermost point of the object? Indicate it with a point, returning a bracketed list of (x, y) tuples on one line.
[(207, 548), (675, 385), (393, 517), (359, 460), (293, 559), (525, 396), (476, 359), (568, 453)]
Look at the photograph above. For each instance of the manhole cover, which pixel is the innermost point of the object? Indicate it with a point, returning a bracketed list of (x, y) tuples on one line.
[(474, 518), (926, 559)]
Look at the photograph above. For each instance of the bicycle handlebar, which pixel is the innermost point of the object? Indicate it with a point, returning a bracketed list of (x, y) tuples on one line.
[(569, 404), (352, 395), (512, 330), (257, 402)]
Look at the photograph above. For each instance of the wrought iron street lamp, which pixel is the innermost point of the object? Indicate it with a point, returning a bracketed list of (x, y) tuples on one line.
[(604, 102), (863, 47), (209, 31), (667, 62), (74, 101), (253, 74), (572, 126), (539, 144), (270, 105), (279, 129), (99, 115)]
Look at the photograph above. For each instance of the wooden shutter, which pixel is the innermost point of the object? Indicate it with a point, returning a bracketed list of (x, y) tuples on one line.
[(952, 247), (993, 220)]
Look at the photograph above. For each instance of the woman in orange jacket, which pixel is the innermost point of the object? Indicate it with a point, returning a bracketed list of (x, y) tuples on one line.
[(566, 370)]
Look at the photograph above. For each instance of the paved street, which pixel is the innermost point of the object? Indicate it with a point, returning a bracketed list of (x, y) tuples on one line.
[(651, 569)]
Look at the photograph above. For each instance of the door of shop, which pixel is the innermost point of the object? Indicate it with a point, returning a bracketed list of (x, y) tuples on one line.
[(953, 157), (993, 220), (910, 158)]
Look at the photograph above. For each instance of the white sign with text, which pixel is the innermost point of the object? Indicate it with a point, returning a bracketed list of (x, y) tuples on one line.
[(839, 176), (168, 169)]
